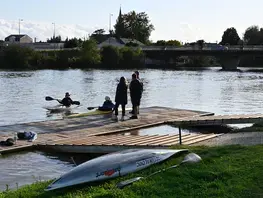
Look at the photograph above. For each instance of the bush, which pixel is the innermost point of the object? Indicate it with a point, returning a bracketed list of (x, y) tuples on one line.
[(110, 57), (16, 57), (131, 57)]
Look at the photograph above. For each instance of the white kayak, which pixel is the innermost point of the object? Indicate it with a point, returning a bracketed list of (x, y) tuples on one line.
[(59, 109), (112, 165)]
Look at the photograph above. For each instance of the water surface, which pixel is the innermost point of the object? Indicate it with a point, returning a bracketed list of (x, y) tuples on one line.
[(23, 98)]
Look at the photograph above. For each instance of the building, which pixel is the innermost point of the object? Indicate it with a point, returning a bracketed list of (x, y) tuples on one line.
[(18, 38), (121, 42)]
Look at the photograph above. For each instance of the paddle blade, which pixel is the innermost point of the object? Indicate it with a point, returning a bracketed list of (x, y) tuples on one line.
[(90, 108), (128, 182), (76, 102), (48, 98)]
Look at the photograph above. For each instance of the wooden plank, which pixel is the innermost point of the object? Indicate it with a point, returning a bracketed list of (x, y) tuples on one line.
[(15, 148), (174, 140), (143, 142), (122, 139), (199, 139), (131, 140)]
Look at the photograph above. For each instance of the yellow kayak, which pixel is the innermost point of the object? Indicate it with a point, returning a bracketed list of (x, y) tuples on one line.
[(94, 112)]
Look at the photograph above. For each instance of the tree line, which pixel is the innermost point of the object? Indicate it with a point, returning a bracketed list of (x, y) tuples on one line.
[(253, 36), (88, 56), (134, 26)]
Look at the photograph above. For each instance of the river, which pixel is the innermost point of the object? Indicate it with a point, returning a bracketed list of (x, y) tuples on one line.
[(23, 98)]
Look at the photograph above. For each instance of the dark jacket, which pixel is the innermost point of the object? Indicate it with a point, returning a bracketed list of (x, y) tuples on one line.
[(136, 89), (66, 102), (121, 94), (107, 106), (141, 84)]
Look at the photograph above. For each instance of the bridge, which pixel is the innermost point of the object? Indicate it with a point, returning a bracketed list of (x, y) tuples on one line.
[(229, 56)]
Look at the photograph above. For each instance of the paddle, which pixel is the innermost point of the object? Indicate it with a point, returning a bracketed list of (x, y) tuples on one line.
[(190, 158), (48, 98), (90, 108), (76, 102)]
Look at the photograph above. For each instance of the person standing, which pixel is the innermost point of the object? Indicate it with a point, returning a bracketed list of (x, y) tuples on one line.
[(138, 77), (136, 94), (121, 98)]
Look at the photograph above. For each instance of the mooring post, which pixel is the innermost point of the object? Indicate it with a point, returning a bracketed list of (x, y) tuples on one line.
[(180, 135)]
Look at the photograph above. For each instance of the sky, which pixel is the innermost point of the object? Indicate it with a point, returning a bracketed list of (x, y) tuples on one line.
[(183, 20)]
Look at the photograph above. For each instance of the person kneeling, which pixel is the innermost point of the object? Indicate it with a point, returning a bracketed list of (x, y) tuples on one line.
[(107, 105)]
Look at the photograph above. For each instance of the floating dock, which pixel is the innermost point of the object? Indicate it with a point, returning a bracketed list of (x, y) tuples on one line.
[(98, 132), (113, 143)]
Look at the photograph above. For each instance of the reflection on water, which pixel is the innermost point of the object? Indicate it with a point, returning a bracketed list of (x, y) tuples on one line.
[(159, 130), (16, 74), (27, 167)]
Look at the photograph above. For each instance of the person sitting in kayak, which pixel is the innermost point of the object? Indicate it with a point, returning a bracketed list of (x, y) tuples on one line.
[(67, 101), (107, 105)]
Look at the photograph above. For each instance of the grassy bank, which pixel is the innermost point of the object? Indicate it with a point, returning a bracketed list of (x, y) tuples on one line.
[(230, 171)]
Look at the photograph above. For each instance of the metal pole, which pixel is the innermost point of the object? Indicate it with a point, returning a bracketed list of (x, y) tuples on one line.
[(110, 23), (19, 20), (180, 135), (110, 26), (54, 33)]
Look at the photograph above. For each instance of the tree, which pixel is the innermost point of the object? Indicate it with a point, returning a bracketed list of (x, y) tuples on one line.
[(200, 44), (110, 56), (230, 36), (90, 52), (72, 43), (167, 43), (99, 35), (173, 43), (160, 43), (53, 39), (17, 57), (253, 35), (99, 31), (135, 26)]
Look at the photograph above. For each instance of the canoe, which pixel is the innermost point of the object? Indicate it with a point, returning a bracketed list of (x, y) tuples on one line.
[(94, 112), (112, 165)]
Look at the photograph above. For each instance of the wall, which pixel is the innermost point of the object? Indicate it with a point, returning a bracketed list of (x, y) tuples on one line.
[(26, 39)]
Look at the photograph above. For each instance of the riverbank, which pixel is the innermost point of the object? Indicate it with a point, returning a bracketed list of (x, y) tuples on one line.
[(228, 171)]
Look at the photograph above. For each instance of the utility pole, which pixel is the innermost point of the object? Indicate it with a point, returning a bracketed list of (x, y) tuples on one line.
[(19, 20), (110, 26), (54, 33)]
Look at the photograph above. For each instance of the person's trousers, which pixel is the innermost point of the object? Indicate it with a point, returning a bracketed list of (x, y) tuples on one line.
[(122, 109)]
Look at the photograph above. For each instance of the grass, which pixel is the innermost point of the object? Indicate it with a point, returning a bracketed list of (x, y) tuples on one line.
[(229, 171)]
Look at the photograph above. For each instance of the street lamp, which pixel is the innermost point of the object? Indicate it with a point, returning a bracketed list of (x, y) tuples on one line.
[(110, 23), (54, 34), (19, 20), (110, 27)]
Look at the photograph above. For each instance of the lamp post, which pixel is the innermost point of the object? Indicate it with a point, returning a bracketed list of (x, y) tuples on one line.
[(110, 23), (54, 33), (110, 26), (19, 20)]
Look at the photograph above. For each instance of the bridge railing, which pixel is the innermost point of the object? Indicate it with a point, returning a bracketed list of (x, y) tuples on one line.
[(191, 48)]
